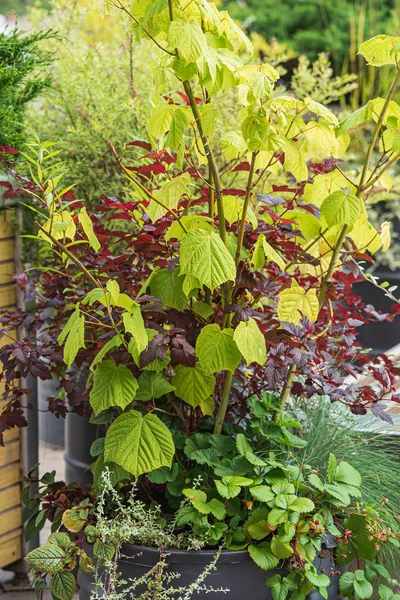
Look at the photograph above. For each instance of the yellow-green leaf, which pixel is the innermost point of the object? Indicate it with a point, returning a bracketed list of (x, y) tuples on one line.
[(380, 50), (192, 384), (294, 302), (87, 226), (217, 350), (340, 208), (251, 342)]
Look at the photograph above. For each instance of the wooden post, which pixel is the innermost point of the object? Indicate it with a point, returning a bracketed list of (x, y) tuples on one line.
[(10, 467)]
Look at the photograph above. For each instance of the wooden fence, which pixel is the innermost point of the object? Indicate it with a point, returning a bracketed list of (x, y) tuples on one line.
[(10, 468)]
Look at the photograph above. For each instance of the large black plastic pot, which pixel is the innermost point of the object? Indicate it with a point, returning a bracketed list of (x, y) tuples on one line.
[(236, 572), (51, 428), (382, 335)]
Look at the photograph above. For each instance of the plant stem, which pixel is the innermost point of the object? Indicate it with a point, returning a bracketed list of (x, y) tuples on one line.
[(223, 406), (372, 182), (65, 250), (242, 225), (144, 189), (335, 255), (375, 134), (210, 158), (287, 387)]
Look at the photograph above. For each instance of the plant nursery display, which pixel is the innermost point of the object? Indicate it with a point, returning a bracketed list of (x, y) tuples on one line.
[(223, 300)]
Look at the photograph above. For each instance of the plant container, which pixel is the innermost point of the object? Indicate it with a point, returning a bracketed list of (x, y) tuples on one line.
[(235, 571)]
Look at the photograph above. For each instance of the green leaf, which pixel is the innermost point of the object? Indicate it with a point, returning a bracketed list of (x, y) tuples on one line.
[(340, 208), (217, 350), (153, 385), (385, 592), (191, 222), (73, 335), (346, 584), (97, 447), (62, 585), (277, 516), (380, 50), (281, 549), (358, 117), (233, 210), (112, 386), (134, 324), (114, 342), (251, 342), (160, 120), (231, 485), (245, 449), (363, 588), (302, 505), (332, 464), (203, 309), (188, 37), (317, 580), (263, 493), (262, 556), (361, 546), (46, 559), (204, 255), (168, 288), (347, 474), (259, 530), (192, 384), (295, 301), (87, 226), (139, 443), (177, 128)]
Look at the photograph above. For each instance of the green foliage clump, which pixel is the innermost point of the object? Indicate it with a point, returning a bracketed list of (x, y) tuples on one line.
[(311, 27), (102, 84), (23, 76)]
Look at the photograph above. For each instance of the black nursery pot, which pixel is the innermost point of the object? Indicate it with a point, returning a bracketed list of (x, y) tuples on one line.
[(236, 572)]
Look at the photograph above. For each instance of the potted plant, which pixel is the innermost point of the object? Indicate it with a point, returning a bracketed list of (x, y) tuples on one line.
[(235, 304)]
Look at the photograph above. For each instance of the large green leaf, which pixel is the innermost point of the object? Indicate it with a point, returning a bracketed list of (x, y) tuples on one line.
[(251, 342), (193, 384), (113, 385), (204, 255), (138, 443), (380, 50), (358, 117), (87, 227), (62, 585), (177, 128), (347, 474), (341, 209), (46, 559), (295, 301), (262, 556), (360, 545), (73, 335), (153, 385), (217, 350), (188, 37), (168, 287), (134, 324)]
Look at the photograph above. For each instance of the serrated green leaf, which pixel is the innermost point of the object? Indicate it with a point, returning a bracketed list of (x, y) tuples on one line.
[(168, 288), (259, 530), (114, 342), (113, 385), (358, 117), (230, 485), (363, 589), (204, 255), (217, 350), (153, 385), (281, 549), (87, 226), (188, 37), (341, 209), (347, 474), (263, 493), (251, 342), (262, 556), (318, 580), (295, 301), (192, 384), (160, 120), (46, 559), (332, 464), (380, 50), (62, 585), (139, 443), (73, 335), (302, 505)]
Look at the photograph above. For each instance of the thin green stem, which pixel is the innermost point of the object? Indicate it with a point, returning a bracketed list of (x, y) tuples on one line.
[(210, 158), (375, 134), (224, 404), (144, 189), (74, 259), (374, 180), (286, 389), (335, 255)]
